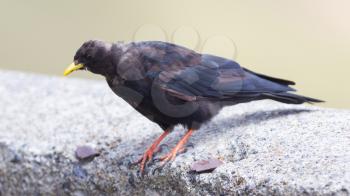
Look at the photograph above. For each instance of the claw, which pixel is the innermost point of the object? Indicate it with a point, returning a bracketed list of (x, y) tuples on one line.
[(178, 148), (147, 156)]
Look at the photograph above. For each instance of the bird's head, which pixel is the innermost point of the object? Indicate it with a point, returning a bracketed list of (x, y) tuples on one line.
[(94, 56)]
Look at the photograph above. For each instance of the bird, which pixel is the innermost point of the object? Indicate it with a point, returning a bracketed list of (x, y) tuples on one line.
[(172, 85)]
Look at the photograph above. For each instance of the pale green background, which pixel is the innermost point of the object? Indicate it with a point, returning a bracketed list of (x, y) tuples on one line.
[(302, 40)]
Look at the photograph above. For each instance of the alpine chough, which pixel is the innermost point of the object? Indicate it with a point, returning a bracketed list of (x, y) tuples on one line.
[(171, 85)]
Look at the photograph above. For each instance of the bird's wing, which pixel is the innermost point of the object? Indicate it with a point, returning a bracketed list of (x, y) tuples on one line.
[(190, 76), (207, 79)]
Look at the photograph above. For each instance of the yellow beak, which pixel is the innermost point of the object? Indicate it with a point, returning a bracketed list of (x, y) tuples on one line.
[(72, 67)]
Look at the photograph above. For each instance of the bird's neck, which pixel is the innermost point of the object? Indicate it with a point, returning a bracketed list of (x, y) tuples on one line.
[(112, 60)]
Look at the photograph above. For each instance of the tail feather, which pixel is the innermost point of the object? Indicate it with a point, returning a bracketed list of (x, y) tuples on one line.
[(290, 98), (273, 79)]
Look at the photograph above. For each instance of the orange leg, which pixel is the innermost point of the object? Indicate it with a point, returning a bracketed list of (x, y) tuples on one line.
[(149, 152), (179, 147)]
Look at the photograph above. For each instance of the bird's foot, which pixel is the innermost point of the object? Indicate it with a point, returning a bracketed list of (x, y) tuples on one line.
[(171, 155), (147, 156), (177, 149)]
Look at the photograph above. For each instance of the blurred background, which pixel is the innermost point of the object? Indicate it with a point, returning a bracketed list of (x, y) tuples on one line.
[(304, 41)]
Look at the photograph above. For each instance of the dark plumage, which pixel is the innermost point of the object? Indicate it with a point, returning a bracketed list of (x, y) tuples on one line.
[(171, 85)]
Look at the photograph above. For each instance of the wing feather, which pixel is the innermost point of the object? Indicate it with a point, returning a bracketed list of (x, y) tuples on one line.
[(190, 76)]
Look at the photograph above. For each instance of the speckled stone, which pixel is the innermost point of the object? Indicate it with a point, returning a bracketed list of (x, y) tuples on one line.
[(266, 147)]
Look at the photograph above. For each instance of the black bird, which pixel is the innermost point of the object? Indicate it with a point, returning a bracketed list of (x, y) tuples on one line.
[(171, 85)]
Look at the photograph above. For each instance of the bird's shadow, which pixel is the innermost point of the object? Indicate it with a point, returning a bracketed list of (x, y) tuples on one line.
[(258, 117), (221, 126)]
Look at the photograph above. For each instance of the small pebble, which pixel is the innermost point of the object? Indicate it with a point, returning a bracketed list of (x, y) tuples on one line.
[(206, 165), (85, 152)]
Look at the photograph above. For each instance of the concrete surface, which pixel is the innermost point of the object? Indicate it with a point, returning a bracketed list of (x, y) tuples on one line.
[(267, 147)]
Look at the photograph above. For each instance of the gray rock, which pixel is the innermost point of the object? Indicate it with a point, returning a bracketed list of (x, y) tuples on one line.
[(266, 147)]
